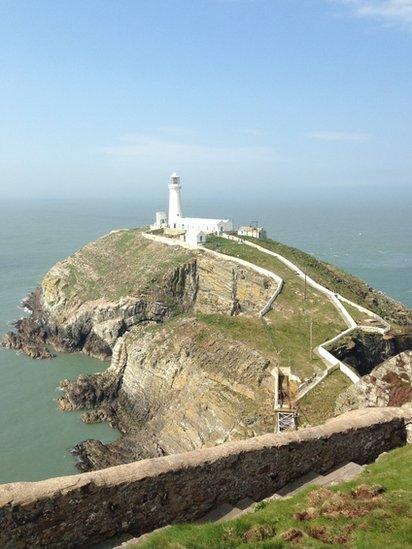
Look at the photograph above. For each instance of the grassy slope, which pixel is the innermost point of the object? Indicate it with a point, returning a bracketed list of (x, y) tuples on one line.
[(355, 523), (119, 264), (339, 281), (287, 326), (319, 404)]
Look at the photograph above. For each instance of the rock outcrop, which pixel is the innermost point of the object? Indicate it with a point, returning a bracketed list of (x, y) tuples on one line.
[(389, 384), (363, 351), (88, 301), (183, 375), (170, 389)]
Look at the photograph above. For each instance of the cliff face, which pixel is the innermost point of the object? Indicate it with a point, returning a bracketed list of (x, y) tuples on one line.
[(389, 384), (88, 301), (191, 360), (363, 351), (173, 388)]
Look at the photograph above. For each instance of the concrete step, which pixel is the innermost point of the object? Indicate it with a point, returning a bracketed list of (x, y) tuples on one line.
[(131, 542), (300, 484), (226, 511), (347, 472), (223, 512)]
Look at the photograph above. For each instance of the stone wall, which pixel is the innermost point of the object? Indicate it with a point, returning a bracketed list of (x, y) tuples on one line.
[(78, 510)]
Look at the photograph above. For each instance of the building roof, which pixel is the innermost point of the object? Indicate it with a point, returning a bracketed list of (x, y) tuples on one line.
[(250, 228), (202, 220)]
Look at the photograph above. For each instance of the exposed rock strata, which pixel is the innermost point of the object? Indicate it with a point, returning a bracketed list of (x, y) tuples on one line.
[(173, 388), (363, 351), (389, 384), (88, 301)]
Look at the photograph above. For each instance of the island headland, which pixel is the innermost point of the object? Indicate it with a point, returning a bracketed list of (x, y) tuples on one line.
[(211, 337)]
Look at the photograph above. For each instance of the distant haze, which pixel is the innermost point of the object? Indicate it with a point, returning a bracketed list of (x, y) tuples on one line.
[(245, 98)]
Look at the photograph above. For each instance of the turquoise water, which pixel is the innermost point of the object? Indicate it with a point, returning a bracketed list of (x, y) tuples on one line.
[(369, 237)]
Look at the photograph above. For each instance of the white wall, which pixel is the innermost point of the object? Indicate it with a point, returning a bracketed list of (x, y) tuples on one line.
[(205, 225)]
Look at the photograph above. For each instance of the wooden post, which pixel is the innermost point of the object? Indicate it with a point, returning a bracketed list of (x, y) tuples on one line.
[(305, 284), (311, 340)]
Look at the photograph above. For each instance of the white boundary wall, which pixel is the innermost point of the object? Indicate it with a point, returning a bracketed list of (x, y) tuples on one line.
[(331, 361), (169, 241), (232, 259)]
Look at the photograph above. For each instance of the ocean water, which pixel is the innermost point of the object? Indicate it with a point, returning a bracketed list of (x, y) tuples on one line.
[(368, 235)]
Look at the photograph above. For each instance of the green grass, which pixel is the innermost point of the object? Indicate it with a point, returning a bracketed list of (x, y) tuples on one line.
[(287, 330), (359, 317), (119, 264), (339, 281), (242, 328), (362, 319), (319, 404), (341, 518)]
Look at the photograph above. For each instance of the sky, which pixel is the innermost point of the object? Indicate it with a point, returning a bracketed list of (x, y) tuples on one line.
[(107, 98)]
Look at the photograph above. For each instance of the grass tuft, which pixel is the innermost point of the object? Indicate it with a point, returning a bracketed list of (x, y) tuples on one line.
[(371, 512)]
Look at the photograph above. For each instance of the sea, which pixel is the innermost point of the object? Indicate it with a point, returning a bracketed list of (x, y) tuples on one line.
[(368, 233)]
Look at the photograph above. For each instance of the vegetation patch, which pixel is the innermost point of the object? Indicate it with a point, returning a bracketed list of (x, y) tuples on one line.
[(319, 404), (301, 318), (341, 282), (119, 264), (249, 330), (369, 513)]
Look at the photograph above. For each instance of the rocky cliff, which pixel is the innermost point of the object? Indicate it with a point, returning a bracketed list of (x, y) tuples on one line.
[(86, 302), (388, 384), (172, 388), (363, 351), (191, 361), (173, 383)]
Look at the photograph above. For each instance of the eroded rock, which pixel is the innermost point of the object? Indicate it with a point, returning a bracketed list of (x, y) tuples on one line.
[(363, 351), (389, 384), (88, 301), (173, 388)]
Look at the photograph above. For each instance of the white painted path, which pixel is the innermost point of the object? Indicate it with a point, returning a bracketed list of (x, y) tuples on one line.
[(337, 300), (332, 363), (225, 257)]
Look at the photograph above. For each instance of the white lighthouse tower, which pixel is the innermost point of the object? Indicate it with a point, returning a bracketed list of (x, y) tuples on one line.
[(192, 230), (175, 203)]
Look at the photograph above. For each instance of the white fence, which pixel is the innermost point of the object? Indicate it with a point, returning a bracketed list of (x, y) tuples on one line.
[(232, 259), (331, 361)]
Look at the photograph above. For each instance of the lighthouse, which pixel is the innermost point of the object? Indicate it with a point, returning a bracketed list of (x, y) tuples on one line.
[(192, 230), (175, 204)]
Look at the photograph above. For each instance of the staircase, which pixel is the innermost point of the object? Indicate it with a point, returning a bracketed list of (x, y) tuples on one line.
[(227, 511)]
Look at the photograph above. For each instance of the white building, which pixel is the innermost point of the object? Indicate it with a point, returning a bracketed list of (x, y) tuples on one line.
[(161, 220), (195, 238), (255, 232), (196, 227), (208, 226)]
